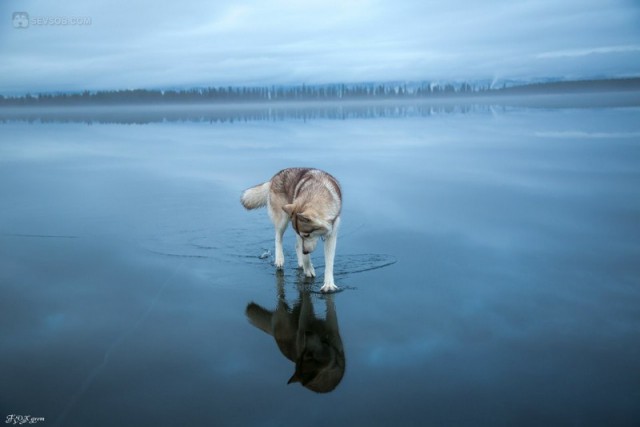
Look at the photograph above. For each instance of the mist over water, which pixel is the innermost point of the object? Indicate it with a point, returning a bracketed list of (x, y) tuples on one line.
[(487, 256)]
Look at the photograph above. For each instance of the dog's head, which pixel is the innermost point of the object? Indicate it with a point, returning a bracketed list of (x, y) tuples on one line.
[(320, 367), (309, 225)]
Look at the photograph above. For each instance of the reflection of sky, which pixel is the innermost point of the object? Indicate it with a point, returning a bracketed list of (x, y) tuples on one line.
[(514, 295), (194, 42)]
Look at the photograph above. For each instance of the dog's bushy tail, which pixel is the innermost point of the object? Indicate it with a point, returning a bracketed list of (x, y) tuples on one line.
[(256, 197), (260, 317)]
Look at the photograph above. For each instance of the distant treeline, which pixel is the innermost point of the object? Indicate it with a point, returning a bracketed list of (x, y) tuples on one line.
[(331, 92)]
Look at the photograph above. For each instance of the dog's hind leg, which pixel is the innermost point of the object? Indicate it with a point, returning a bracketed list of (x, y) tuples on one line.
[(304, 261)]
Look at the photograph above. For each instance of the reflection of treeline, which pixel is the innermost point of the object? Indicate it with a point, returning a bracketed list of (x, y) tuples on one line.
[(330, 92), (251, 112), (243, 113)]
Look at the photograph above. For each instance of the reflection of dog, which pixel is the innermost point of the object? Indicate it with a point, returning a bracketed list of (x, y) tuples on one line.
[(311, 199), (20, 19), (314, 345)]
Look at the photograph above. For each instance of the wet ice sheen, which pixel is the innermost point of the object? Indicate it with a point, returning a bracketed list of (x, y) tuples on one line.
[(488, 256)]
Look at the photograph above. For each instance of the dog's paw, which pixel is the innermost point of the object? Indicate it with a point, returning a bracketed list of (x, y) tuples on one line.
[(328, 287), (310, 272), (279, 263)]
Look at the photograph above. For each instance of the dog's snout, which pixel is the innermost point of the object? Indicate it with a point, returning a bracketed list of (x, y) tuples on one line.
[(308, 246)]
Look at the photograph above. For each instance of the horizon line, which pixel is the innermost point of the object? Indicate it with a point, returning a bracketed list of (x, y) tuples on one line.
[(493, 84)]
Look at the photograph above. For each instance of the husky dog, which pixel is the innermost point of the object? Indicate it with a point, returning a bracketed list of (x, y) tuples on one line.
[(311, 199), (313, 344)]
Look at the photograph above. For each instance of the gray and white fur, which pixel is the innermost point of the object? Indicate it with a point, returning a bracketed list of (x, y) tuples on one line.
[(311, 200)]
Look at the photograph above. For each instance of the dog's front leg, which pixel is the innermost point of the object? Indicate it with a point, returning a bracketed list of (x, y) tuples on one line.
[(304, 261), (280, 228), (329, 254), (299, 253)]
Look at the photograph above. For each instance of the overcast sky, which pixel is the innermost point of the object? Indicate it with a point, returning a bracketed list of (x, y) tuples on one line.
[(145, 43)]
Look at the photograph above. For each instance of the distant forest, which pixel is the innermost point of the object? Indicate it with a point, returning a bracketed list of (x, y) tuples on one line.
[(327, 92)]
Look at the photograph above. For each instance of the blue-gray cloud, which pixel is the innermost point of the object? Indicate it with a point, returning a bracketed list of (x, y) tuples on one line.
[(194, 42)]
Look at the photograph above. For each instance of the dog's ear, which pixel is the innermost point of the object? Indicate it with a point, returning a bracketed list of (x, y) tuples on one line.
[(295, 378), (303, 217), (324, 226), (309, 215), (288, 209)]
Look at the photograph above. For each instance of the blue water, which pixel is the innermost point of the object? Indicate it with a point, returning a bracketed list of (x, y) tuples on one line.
[(488, 259)]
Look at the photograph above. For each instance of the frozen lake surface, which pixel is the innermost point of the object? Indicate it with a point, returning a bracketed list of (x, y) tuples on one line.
[(488, 258)]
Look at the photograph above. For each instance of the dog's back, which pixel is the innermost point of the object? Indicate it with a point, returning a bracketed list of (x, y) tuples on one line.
[(305, 183), (295, 183)]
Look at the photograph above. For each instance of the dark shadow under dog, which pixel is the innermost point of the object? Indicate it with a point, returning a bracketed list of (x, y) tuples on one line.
[(313, 344)]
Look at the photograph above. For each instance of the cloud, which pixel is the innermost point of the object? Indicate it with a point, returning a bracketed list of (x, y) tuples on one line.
[(590, 51), (195, 43)]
